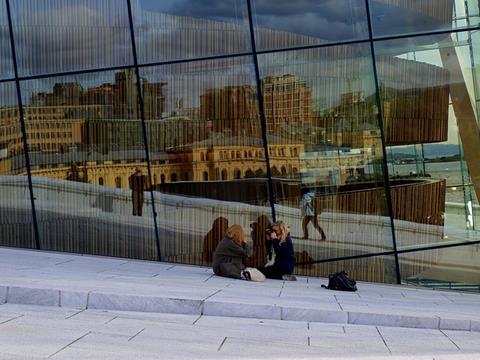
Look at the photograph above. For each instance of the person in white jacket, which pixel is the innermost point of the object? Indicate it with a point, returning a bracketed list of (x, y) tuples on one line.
[(309, 214)]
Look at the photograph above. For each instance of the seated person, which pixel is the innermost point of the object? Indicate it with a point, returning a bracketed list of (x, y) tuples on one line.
[(230, 253), (279, 239)]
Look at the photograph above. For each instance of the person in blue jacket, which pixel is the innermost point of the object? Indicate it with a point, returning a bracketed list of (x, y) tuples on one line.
[(283, 258)]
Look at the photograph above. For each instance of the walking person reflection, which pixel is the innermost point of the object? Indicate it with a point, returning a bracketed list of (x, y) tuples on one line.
[(310, 213), (138, 184)]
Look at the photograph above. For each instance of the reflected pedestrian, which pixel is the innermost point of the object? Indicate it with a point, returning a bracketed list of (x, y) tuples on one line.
[(213, 237), (310, 213), (138, 184)]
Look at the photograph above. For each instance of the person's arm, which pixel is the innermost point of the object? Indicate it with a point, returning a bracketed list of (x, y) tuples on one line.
[(236, 250)]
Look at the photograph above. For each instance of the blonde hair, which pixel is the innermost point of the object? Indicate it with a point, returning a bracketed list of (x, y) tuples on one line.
[(284, 230), (236, 233)]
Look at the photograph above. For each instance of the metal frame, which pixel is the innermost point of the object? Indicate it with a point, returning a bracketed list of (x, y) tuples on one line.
[(371, 40), (23, 128), (144, 128)]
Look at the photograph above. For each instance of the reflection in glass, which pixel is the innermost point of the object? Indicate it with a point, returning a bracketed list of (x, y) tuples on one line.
[(88, 164), (6, 64), (283, 23), (16, 224), (427, 84), (166, 30), (207, 155), (395, 17), (60, 35), (455, 268), (374, 268), (325, 150)]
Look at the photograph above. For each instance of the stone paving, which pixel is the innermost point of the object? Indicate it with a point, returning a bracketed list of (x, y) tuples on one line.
[(40, 332), (103, 307)]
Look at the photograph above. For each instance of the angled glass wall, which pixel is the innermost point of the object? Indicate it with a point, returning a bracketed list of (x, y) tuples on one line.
[(16, 218), (402, 17), (153, 125), (207, 156), (6, 63), (169, 30), (286, 24), (56, 36), (88, 164), (321, 105)]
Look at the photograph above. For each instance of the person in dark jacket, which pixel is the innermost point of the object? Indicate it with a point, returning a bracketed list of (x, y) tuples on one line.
[(279, 239), (230, 253), (138, 184)]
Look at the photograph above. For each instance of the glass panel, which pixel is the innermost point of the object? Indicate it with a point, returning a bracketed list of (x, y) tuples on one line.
[(172, 30), (207, 156), (325, 150), (455, 268), (85, 143), (6, 64), (396, 17), (16, 222), (281, 24), (430, 119), (374, 269), (60, 35)]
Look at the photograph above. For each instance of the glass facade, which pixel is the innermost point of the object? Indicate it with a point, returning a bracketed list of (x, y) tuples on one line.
[(143, 129)]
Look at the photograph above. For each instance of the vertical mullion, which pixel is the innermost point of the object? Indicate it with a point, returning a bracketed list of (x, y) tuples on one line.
[(144, 129), (261, 110), (382, 137), (23, 127)]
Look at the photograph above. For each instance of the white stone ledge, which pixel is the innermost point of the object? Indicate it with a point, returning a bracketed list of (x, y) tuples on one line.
[(229, 308), (455, 324), (124, 302), (3, 294), (232, 309), (314, 315), (393, 320), (33, 296), (73, 299)]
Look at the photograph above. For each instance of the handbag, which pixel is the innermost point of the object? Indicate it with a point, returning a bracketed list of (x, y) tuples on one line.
[(253, 274)]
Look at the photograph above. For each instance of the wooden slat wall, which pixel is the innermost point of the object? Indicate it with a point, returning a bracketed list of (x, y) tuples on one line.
[(414, 100)]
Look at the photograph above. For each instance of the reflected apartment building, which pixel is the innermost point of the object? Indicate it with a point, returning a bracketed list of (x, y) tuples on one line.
[(224, 137)]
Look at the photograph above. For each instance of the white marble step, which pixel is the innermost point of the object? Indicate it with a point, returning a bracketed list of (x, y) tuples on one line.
[(229, 306)]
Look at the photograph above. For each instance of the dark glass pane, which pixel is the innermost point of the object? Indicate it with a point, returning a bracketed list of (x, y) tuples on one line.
[(455, 268), (207, 156), (85, 142), (396, 17), (16, 227), (6, 64), (283, 23), (325, 150), (60, 35), (374, 268), (427, 87), (172, 30)]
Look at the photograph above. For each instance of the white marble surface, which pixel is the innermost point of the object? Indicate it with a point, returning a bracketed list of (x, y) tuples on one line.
[(74, 281), (41, 332)]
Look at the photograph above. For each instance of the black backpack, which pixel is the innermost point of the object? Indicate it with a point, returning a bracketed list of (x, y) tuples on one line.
[(341, 281)]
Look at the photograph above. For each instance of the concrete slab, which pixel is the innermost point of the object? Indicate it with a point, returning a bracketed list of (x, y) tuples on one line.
[(81, 282)]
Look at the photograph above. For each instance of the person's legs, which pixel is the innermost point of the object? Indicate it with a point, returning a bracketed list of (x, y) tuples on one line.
[(271, 272), (230, 270), (140, 204), (135, 204), (319, 229), (306, 220)]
